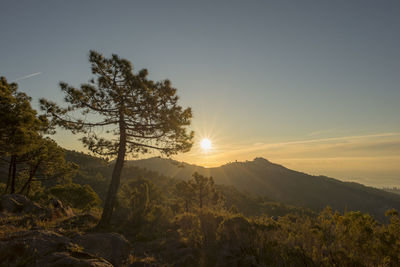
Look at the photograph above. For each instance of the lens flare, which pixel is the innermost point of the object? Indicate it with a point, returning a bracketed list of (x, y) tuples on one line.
[(205, 144)]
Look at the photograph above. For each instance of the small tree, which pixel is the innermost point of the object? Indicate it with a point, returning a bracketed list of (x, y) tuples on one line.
[(184, 191), (203, 188), (142, 115), (137, 198), (45, 163)]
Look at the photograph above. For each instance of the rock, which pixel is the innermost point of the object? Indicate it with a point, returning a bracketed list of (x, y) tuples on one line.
[(41, 242), (46, 248), (60, 259), (111, 246), (145, 264), (26, 247), (16, 254), (59, 210), (16, 203), (18, 197), (34, 208), (10, 204), (79, 221)]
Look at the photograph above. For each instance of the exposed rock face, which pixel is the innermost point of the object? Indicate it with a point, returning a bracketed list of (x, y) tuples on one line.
[(79, 220), (79, 259), (111, 246), (47, 248), (15, 203), (9, 204), (41, 242)]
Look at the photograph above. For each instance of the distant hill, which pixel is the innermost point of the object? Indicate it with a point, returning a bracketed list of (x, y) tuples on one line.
[(264, 178), (394, 190)]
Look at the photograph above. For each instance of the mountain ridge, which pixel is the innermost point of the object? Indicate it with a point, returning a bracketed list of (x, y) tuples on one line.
[(264, 178)]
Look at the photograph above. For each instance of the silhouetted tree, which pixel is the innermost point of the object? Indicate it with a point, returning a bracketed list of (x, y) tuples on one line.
[(184, 190), (45, 162), (20, 128), (141, 113), (203, 188)]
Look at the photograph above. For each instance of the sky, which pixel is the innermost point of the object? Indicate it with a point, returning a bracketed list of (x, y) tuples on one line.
[(311, 85)]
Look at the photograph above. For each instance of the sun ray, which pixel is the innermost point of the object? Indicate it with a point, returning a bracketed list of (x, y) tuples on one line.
[(205, 144)]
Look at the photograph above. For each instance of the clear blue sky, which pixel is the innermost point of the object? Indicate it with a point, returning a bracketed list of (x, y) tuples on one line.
[(253, 71)]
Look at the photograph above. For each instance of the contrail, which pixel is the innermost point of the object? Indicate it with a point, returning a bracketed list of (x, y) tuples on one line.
[(27, 76)]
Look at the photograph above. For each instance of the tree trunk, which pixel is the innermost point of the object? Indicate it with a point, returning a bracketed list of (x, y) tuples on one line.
[(25, 185), (9, 174), (14, 174), (201, 198), (115, 179), (28, 189), (28, 182)]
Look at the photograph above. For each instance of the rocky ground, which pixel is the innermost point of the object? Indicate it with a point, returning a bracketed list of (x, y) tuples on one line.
[(34, 235)]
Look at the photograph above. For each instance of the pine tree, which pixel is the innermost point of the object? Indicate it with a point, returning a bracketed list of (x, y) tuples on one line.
[(142, 115), (203, 188), (185, 191), (45, 162), (20, 130)]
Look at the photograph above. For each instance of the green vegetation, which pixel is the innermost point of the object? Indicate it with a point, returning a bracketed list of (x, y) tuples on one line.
[(175, 214), (20, 132), (219, 235), (265, 179), (243, 230), (75, 195), (141, 113)]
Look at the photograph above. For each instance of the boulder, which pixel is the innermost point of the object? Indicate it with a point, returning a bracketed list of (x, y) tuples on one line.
[(59, 210), (34, 208), (16, 203), (47, 248), (79, 221), (9, 204), (111, 246), (41, 242), (78, 259), (146, 264), (27, 247)]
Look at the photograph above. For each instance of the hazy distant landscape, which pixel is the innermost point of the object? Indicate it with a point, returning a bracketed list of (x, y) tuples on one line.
[(200, 133)]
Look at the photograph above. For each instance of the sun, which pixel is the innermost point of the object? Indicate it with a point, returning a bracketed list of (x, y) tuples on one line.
[(205, 144)]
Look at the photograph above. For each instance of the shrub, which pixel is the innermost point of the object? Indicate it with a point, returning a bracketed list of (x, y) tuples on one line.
[(75, 195)]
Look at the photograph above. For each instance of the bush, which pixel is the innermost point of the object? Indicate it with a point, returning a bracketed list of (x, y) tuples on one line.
[(75, 195)]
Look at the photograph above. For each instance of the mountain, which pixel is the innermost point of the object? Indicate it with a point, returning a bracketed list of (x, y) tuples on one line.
[(264, 178)]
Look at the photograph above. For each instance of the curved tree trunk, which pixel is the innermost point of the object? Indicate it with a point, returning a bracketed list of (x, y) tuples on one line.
[(32, 173), (115, 179), (14, 175), (9, 174)]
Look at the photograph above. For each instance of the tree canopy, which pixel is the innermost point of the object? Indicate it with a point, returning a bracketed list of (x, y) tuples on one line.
[(21, 128), (141, 114)]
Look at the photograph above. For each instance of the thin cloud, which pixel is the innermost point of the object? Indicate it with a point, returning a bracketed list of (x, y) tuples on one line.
[(27, 76), (342, 138), (321, 132), (259, 147), (374, 144)]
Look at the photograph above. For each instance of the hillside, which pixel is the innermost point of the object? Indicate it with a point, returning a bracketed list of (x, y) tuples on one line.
[(261, 177)]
